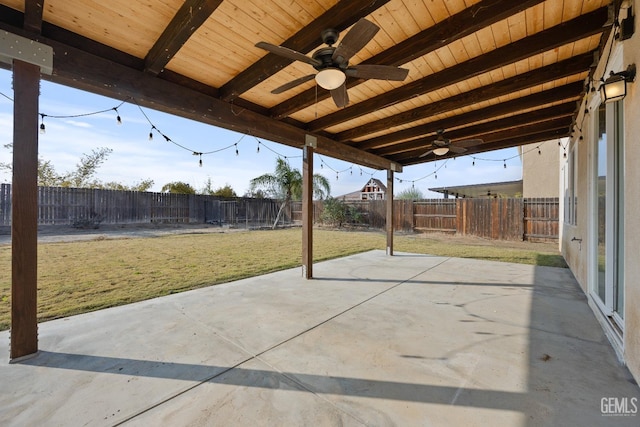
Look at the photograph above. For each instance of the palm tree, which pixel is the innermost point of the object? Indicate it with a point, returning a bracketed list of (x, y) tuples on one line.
[(286, 184)]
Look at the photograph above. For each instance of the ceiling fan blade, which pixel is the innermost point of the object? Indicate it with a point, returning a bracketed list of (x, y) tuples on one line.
[(425, 154), (287, 53), (379, 72), (340, 96), (357, 38), (285, 87), (457, 150)]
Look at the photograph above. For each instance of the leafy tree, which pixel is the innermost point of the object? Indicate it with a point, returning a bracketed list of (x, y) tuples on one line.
[(208, 187), (141, 186), (410, 194), (226, 192), (83, 176), (86, 169), (286, 184), (337, 212), (178, 187)]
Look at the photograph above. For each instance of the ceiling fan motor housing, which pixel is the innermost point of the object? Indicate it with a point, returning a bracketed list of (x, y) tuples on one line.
[(324, 55), (329, 36)]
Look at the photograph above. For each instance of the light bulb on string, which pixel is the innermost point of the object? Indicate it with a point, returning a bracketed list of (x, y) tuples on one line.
[(360, 171), (118, 119), (337, 176), (237, 152), (539, 152), (258, 148), (43, 130), (504, 163), (151, 133)]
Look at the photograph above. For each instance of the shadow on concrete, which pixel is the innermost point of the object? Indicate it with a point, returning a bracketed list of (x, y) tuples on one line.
[(472, 397)]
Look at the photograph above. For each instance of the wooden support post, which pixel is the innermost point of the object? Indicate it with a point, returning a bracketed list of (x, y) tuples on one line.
[(390, 212), (24, 214), (307, 207)]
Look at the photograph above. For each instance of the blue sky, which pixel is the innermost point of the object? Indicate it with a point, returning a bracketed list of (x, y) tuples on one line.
[(135, 158)]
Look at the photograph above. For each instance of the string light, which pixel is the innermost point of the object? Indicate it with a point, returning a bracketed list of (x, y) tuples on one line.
[(504, 163), (237, 152), (43, 129), (118, 119)]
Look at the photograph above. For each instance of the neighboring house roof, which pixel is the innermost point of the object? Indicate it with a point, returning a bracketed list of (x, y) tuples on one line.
[(493, 189), (357, 195)]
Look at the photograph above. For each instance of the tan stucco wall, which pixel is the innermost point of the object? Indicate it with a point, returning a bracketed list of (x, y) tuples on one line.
[(576, 252), (632, 207), (578, 256), (540, 173)]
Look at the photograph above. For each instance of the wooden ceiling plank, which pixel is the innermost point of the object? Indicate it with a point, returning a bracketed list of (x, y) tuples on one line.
[(191, 15), (562, 124), (569, 91), (576, 29), (340, 17), (566, 109), (533, 78), (33, 15), (445, 32), (516, 141), (81, 70)]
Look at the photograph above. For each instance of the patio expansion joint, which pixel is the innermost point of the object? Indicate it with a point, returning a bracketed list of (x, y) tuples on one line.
[(257, 356)]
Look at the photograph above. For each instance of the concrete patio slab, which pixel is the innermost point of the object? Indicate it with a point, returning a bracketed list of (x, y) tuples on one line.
[(372, 340)]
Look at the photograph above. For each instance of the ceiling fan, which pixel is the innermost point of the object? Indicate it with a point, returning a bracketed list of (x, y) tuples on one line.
[(441, 145), (332, 62)]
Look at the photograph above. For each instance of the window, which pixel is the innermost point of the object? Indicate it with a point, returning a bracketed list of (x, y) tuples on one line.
[(569, 172)]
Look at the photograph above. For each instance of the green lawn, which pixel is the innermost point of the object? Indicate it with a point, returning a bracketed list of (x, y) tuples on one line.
[(83, 276)]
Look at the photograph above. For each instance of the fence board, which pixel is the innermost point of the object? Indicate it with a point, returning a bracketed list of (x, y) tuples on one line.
[(508, 219), (541, 217)]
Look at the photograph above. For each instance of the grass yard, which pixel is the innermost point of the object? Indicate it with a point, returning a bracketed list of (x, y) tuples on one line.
[(77, 277)]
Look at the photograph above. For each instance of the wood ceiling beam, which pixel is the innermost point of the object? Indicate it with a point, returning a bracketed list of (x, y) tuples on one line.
[(568, 32), (505, 135), (191, 15), (512, 122), (340, 17), (451, 29), (81, 70), (571, 91), (568, 67), (33, 15), (543, 136)]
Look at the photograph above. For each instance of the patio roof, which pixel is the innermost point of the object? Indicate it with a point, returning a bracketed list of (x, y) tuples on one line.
[(373, 340), (491, 73), (489, 189)]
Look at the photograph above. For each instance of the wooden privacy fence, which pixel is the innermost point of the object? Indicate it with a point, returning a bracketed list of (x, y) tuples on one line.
[(69, 206), (505, 219), (500, 219)]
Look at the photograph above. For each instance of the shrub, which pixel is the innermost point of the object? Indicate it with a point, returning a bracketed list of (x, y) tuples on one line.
[(337, 212)]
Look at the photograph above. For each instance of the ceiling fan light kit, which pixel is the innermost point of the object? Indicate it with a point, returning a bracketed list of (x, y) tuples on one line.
[(330, 78), (441, 151), (332, 63)]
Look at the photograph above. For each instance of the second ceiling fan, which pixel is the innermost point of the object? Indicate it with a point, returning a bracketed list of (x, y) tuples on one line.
[(332, 63), (441, 145)]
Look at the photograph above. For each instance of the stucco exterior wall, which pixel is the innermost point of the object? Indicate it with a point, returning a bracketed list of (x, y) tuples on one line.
[(631, 55), (576, 252), (540, 174), (578, 255)]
